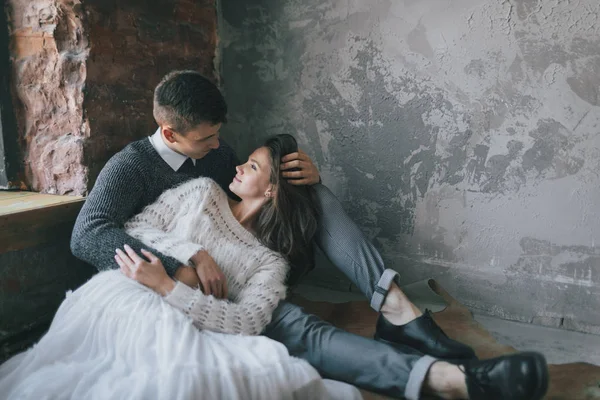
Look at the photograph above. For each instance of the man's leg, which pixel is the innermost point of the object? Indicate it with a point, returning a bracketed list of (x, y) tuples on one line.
[(400, 371), (346, 246), (343, 356), (342, 241)]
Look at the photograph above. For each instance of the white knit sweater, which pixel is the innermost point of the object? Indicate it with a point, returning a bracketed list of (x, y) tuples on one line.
[(196, 216)]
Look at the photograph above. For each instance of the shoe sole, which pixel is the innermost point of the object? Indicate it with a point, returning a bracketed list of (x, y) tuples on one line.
[(541, 367), (402, 347)]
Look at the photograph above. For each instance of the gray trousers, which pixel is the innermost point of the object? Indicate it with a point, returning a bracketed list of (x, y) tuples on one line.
[(335, 353)]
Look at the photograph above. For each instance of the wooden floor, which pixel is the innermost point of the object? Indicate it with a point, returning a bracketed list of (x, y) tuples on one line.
[(574, 381)]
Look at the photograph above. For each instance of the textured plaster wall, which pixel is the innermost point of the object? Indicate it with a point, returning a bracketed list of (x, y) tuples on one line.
[(463, 136)]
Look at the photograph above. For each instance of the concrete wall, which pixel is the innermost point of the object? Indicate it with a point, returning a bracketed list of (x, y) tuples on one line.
[(463, 136)]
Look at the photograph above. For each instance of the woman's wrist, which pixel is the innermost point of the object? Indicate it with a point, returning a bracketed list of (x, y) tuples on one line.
[(166, 286)]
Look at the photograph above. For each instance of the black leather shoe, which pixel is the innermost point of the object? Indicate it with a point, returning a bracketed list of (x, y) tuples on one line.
[(521, 376), (424, 335)]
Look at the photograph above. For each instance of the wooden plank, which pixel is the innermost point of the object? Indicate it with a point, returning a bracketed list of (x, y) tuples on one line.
[(10, 194), (15, 202), (20, 230), (33, 282)]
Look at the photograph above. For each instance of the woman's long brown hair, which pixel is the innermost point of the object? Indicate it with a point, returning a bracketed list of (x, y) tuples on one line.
[(287, 223)]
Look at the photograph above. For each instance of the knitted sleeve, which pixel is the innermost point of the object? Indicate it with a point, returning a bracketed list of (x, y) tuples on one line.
[(99, 228), (156, 225), (248, 313)]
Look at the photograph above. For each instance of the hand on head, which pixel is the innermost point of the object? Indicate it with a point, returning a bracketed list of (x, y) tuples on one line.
[(304, 171), (277, 181)]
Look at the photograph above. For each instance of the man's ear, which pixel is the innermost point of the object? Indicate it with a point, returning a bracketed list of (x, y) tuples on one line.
[(169, 134)]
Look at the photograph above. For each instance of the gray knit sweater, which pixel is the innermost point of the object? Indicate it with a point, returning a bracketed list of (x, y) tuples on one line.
[(132, 179)]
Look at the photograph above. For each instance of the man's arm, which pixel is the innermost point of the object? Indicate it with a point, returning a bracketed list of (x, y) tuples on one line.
[(249, 312), (155, 226), (98, 231)]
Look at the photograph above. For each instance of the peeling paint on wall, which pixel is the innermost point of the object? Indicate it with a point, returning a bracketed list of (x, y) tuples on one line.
[(457, 135)]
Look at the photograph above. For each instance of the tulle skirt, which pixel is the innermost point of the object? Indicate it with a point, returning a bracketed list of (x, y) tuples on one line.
[(115, 339)]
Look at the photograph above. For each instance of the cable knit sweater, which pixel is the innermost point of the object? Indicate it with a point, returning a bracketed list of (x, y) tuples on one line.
[(196, 216)]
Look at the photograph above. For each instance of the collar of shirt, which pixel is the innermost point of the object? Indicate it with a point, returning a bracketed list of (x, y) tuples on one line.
[(171, 157)]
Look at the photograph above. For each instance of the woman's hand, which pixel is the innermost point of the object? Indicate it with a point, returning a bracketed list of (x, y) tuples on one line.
[(212, 279), (149, 273)]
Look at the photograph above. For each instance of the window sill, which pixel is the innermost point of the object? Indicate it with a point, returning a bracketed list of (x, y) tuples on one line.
[(29, 219)]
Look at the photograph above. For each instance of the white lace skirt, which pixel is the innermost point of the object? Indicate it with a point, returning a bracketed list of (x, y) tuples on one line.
[(115, 339)]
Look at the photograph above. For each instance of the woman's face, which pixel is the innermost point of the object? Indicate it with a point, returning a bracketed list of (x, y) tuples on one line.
[(252, 180)]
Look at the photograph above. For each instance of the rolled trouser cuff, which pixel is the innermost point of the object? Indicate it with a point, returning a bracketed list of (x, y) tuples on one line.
[(417, 377), (382, 288)]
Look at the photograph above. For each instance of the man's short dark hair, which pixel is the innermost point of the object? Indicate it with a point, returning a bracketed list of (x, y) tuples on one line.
[(186, 99)]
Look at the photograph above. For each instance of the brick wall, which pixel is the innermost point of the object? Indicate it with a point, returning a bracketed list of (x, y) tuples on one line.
[(83, 74), (134, 43)]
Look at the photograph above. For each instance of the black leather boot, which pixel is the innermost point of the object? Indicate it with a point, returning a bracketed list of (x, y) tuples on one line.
[(521, 376), (424, 335)]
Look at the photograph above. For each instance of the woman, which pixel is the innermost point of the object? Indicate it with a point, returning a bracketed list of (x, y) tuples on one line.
[(115, 338), (250, 240)]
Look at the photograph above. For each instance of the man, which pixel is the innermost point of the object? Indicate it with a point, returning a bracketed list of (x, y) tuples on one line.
[(189, 110)]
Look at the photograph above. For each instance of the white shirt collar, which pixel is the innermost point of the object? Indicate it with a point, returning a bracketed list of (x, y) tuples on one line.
[(171, 157)]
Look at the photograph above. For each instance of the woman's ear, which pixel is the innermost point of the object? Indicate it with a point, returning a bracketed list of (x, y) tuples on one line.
[(271, 191)]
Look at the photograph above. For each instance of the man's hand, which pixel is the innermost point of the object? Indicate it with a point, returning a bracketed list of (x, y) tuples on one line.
[(212, 279), (149, 273), (307, 173), (188, 276)]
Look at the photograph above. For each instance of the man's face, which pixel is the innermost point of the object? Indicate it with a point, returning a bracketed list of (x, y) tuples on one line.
[(195, 143)]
